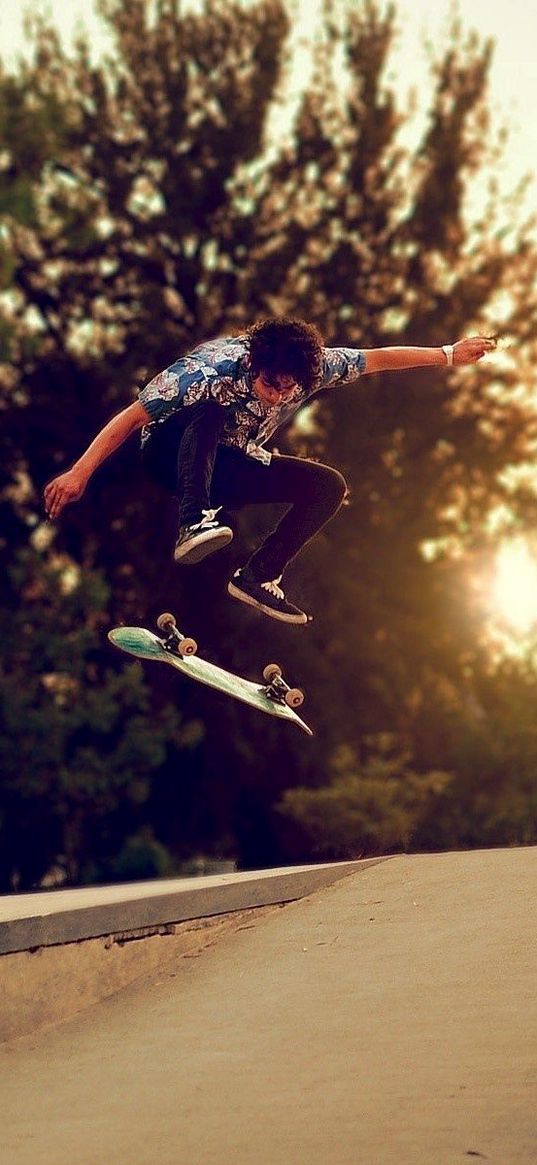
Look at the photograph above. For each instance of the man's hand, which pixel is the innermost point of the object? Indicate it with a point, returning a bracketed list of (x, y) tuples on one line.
[(62, 490), (471, 350), (70, 486)]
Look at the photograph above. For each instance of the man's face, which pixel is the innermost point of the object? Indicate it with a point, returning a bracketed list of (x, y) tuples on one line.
[(273, 389)]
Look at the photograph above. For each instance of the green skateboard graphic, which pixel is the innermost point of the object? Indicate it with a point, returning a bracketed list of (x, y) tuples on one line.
[(274, 696)]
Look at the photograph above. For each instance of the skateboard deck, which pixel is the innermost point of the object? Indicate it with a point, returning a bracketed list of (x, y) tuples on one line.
[(179, 652)]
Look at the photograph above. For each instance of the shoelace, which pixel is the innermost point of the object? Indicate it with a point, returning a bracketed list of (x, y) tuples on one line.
[(273, 588), (209, 519)]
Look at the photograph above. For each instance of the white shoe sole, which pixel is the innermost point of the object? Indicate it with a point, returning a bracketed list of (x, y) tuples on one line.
[(244, 597), (201, 545)]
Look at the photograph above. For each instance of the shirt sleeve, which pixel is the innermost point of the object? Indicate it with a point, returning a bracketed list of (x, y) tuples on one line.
[(341, 365)]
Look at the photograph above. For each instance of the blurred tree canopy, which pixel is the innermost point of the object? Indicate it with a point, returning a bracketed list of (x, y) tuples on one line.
[(149, 201)]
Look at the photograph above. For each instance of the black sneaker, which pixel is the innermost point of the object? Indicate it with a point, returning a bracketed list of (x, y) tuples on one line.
[(201, 538), (266, 596)]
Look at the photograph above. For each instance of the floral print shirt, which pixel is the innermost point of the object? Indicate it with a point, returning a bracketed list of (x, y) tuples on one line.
[(219, 370)]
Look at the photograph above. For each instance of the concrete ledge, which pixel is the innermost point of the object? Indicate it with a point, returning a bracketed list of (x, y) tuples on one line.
[(63, 951), (50, 985), (29, 921)]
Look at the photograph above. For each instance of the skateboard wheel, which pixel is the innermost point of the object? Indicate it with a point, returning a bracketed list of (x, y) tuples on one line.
[(187, 646), (271, 671), (166, 622), (294, 698)]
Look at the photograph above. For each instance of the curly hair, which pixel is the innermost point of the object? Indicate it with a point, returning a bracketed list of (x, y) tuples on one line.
[(281, 346)]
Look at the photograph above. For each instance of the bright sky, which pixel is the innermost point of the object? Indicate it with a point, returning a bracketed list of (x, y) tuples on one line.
[(512, 24)]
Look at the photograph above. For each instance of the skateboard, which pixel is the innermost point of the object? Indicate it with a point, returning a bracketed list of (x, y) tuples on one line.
[(273, 696)]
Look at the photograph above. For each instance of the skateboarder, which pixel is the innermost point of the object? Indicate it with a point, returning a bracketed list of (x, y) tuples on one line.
[(205, 423)]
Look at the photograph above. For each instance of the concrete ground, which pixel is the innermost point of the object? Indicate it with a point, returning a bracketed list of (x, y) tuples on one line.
[(389, 1019)]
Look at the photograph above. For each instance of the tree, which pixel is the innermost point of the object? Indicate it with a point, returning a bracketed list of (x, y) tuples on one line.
[(79, 742), (366, 808)]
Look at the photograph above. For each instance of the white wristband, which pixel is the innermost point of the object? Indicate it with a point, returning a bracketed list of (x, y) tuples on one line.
[(448, 352)]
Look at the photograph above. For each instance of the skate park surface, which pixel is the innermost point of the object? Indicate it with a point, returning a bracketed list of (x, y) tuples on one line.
[(365, 1013)]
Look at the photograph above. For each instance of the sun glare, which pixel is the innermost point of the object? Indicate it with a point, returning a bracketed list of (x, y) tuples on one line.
[(514, 589)]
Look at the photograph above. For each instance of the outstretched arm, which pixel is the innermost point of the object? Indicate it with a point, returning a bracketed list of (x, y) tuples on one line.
[(396, 359), (70, 486)]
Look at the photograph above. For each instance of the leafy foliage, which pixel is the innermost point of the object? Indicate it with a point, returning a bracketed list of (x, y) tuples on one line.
[(367, 808), (79, 743)]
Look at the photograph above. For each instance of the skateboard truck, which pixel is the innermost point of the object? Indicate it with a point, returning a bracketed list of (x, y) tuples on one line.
[(276, 688), (175, 642)]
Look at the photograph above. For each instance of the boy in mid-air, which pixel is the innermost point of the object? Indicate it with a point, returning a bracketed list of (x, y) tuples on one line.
[(205, 423)]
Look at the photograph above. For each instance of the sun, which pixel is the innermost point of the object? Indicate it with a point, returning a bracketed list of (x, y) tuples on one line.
[(514, 587)]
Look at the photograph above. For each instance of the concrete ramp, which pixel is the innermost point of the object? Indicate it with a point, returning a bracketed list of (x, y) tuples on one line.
[(64, 950), (387, 1019)]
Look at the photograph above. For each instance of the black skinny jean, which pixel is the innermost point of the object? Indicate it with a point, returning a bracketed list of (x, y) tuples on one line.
[(184, 455)]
